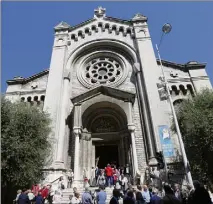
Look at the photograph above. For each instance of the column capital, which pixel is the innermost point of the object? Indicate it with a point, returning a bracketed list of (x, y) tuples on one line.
[(66, 75), (76, 131), (131, 127), (136, 67)]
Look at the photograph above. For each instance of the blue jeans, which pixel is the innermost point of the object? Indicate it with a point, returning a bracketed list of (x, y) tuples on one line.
[(109, 181)]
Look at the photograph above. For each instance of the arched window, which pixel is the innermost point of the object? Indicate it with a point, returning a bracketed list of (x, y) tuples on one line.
[(189, 87), (42, 98), (22, 99), (177, 104), (183, 90), (35, 98), (29, 99), (174, 90)]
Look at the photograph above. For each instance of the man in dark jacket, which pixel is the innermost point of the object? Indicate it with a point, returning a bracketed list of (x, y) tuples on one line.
[(169, 197), (155, 199), (23, 198)]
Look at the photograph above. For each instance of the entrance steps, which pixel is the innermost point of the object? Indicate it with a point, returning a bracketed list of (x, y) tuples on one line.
[(69, 191)]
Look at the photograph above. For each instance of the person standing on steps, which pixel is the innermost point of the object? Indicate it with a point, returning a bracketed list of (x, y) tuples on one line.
[(70, 176), (129, 199), (115, 197), (86, 197), (101, 196), (101, 181), (109, 174), (146, 194)]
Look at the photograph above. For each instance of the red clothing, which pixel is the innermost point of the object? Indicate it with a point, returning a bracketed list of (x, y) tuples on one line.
[(35, 189), (115, 177), (109, 171), (44, 192)]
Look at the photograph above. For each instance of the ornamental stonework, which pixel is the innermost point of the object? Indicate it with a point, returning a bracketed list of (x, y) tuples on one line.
[(102, 69)]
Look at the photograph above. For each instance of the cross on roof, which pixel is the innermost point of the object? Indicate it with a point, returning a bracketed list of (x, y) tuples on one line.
[(100, 11)]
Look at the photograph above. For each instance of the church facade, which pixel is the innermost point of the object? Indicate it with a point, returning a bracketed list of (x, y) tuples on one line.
[(102, 93)]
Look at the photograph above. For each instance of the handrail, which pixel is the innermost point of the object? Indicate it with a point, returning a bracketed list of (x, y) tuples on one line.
[(56, 179)]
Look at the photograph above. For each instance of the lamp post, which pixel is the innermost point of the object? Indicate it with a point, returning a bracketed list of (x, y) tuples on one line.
[(166, 29)]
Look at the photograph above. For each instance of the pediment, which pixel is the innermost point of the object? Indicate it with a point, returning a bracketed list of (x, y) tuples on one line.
[(108, 91)]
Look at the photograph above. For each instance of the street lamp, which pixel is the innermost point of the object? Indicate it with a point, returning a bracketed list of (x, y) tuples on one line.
[(166, 29)]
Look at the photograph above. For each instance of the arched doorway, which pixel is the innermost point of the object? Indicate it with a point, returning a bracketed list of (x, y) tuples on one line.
[(106, 123)]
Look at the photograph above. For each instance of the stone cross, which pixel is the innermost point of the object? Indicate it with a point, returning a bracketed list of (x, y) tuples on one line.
[(100, 11)]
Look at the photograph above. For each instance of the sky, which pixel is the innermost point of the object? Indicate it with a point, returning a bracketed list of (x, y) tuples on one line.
[(27, 31)]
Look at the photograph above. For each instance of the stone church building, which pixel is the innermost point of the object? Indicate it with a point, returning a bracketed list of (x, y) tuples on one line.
[(102, 92)]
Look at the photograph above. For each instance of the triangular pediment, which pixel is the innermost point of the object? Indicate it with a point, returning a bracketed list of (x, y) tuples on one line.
[(104, 90), (101, 17)]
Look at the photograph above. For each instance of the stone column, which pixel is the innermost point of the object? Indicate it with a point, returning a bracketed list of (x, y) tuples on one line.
[(146, 120), (93, 155), (76, 132), (62, 125), (134, 152), (126, 149), (122, 152)]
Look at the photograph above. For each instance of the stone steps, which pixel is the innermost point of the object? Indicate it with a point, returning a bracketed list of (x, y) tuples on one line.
[(69, 191)]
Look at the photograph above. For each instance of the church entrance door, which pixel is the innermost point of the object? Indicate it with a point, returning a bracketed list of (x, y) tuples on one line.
[(106, 154)]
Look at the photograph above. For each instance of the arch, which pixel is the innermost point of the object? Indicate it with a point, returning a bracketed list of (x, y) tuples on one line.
[(174, 89), (80, 33), (42, 98), (35, 98), (104, 110), (29, 98), (94, 28), (73, 37), (128, 31), (129, 50), (178, 101), (100, 24), (182, 89), (87, 30), (190, 88), (114, 27), (22, 99), (107, 26), (121, 29)]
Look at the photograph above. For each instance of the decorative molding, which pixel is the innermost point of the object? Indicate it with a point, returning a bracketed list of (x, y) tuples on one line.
[(34, 85), (66, 75), (100, 12), (102, 68), (131, 127), (173, 74), (102, 26), (62, 26), (76, 131), (136, 67), (139, 17), (28, 79), (109, 91)]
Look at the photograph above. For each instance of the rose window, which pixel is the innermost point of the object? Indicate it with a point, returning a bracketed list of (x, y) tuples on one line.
[(102, 71)]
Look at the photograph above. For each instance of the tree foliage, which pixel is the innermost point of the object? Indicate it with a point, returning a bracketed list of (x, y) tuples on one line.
[(24, 143), (195, 117)]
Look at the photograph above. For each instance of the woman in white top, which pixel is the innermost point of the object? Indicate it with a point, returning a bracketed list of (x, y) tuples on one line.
[(124, 182)]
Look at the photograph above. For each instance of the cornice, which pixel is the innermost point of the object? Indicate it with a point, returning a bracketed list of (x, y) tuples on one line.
[(28, 79), (184, 67)]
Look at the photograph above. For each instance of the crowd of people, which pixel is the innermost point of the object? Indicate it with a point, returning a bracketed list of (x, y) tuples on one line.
[(145, 195), (36, 195), (110, 176), (121, 181)]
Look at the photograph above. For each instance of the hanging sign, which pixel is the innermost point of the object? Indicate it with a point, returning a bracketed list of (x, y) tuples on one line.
[(166, 141)]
